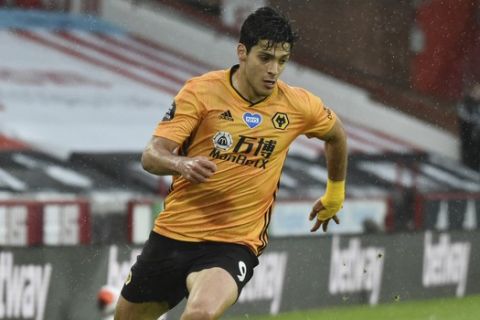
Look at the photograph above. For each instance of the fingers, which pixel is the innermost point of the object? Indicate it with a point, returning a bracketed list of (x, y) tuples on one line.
[(324, 224), (198, 169), (335, 218), (322, 215), (204, 169), (206, 164), (195, 177), (317, 225), (320, 223), (318, 206)]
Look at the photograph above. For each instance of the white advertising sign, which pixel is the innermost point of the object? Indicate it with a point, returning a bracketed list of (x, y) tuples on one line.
[(290, 218)]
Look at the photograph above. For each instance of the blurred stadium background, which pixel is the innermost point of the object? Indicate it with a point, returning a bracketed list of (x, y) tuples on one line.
[(83, 83)]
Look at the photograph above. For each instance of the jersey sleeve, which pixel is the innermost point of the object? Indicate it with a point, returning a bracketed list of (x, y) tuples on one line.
[(320, 119), (183, 116)]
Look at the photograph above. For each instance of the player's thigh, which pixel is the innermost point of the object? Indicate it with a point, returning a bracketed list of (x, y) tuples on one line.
[(211, 291), (157, 278), (127, 310)]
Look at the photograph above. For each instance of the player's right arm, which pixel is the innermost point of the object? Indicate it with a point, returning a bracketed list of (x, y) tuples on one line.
[(160, 158)]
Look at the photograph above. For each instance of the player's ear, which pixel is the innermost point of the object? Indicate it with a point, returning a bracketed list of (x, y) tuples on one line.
[(242, 52)]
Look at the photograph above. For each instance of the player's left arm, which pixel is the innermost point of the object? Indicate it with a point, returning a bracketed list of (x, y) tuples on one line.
[(331, 202)]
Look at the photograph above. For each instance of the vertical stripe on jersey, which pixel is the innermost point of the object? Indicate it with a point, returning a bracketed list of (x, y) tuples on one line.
[(264, 235), (183, 150), (268, 215)]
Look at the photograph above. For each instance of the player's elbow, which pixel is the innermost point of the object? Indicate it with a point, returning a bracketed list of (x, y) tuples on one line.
[(148, 164)]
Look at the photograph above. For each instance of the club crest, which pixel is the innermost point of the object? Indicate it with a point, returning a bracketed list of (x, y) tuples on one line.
[(280, 120)]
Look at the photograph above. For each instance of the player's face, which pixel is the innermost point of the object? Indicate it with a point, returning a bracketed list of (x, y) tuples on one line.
[(263, 67)]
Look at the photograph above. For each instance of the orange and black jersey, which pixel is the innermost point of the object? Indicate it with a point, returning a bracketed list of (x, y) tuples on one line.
[(248, 143)]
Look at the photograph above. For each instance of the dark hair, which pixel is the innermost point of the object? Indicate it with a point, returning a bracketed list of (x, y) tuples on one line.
[(266, 24)]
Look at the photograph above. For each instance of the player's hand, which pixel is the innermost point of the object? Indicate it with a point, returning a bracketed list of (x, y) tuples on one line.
[(323, 217), (197, 169), (328, 205)]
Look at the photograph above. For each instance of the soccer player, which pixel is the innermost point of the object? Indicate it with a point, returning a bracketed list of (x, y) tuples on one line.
[(225, 140)]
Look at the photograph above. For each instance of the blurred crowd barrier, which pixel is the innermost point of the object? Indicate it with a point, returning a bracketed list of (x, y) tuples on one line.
[(71, 222), (33, 223), (30, 223)]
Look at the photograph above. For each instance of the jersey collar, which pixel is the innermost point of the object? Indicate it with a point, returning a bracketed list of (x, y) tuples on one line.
[(230, 73)]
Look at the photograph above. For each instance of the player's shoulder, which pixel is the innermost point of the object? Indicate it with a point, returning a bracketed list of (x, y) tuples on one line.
[(299, 95), (207, 80)]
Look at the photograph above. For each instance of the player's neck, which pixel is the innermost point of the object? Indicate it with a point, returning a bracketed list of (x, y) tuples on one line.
[(241, 85)]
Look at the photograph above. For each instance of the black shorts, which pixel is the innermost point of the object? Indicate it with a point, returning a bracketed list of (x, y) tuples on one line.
[(161, 270)]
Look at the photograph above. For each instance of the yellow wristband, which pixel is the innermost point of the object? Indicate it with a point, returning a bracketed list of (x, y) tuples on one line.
[(332, 200), (335, 191)]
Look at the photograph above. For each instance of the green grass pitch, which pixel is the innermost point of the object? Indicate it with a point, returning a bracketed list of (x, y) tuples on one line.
[(467, 308)]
